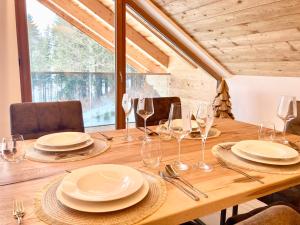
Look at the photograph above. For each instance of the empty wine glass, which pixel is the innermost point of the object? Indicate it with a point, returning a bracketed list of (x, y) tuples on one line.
[(287, 110), (145, 109), (127, 104), (180, 126), (205, 119), (12, 149)]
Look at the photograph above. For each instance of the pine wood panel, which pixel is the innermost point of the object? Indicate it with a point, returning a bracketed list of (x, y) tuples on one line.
[(239, 33), (224, 187)]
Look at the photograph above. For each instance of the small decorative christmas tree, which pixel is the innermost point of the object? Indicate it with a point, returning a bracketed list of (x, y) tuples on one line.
[(222, 104)]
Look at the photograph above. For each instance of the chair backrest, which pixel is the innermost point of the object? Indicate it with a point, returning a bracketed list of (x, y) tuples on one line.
[(161, 110), (293, 126), (34, 120)]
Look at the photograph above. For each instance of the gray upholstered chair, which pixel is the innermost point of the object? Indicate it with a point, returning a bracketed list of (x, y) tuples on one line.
[(277, 214), (34, 120), (162, 107)]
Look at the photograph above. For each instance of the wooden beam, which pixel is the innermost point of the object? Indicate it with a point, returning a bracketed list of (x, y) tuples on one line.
[(107, 35), (120, 64), (134, 37), (23, 50), (84, 29), (206, 66)]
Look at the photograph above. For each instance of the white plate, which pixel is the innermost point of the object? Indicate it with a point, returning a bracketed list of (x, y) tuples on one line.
[(101, 207), (178, 123), (64, 149), (213, 132), (243, 155), (267, 150), (63, 139), (104, 182)]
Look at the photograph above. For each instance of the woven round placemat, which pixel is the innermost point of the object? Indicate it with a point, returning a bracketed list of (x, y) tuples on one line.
[(97, 148), (51, 211), (222, 151)]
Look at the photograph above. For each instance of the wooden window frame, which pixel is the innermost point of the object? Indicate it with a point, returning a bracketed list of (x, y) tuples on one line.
[(120, 55)]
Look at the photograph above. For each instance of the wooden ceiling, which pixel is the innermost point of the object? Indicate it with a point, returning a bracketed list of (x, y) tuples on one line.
[(248, 37)]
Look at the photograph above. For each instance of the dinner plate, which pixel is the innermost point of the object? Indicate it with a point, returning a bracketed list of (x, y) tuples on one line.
[(86, 144), (266, 150), (104, 182), (63, 139), (101, 207), (244, 155), (178, 123)]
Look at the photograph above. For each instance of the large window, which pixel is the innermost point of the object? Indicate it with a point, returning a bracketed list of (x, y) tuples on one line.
[(73, 59)]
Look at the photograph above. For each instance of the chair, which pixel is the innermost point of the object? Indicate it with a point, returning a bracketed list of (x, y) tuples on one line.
[(293, 126), (161, 111), (34, 120), (276, 214)]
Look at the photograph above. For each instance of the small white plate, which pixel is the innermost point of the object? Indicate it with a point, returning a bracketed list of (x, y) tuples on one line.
[(243, 155), (101, 207), (213, 132), (63, 139), (178, 123), (104, 182), (64, 149), (266, 150)]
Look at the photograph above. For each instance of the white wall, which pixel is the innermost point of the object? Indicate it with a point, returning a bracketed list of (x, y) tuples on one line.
[(255, 98), (9, 70)]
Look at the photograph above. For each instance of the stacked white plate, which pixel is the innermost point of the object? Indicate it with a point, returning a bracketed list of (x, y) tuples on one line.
[(102, 188), (63, 142), (266, 152)]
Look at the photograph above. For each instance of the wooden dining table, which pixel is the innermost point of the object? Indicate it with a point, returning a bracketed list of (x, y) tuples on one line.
[(224, 187)]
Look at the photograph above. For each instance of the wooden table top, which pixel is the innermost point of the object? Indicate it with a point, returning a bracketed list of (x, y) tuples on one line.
[(224, 187)]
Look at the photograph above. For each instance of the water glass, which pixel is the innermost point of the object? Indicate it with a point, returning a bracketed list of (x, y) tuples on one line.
[(151, 153), (163, 130), (267, 131), (12, 148)]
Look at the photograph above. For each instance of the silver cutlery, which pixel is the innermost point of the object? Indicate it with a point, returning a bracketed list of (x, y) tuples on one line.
[(225, 165), (180, 187), (173, 174), (105, 136), (18, 210)]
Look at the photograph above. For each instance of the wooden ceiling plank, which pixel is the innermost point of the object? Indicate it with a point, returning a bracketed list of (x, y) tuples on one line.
[(108, 35), (274, 24), (133, 36), (254, 39), (218, 8), (264, 12), (180, 6)]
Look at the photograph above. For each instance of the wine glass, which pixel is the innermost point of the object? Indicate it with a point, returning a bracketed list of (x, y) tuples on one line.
[(180, 126), (287, 110), (127, 104), (205, 119), (12, 149), (145, 109)]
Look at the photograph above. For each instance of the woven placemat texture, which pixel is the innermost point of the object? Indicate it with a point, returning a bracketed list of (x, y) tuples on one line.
[(51, 211), (98, 147), (228, 157)]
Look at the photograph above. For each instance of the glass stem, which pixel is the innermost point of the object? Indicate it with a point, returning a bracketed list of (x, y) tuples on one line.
[(145, 122), (179, 150), (284, 129), (203, 149), (127, 120)]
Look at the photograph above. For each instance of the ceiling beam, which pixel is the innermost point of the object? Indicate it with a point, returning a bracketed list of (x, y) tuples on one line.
[(95, 29), (152, 14), (133, 36)]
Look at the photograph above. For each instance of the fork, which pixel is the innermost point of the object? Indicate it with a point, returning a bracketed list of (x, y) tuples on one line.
[(225, 165), (18, 210), (105, 136)]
